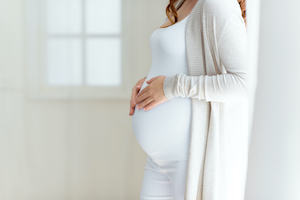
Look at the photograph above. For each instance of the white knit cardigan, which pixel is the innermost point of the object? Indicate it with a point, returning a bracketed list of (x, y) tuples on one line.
[(216, 45)]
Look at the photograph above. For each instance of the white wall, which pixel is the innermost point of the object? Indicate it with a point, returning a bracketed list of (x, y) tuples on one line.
[(274, 164), (68, 149)]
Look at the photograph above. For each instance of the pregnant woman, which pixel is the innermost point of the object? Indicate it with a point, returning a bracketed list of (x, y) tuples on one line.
[(190, 116)]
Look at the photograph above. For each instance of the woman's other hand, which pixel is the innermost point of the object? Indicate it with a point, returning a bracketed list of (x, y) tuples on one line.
[(152, 95), (135, 91)]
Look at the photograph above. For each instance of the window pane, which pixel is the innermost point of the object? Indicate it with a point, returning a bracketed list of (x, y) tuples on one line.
[(64, 16), (103, 61), (103, 16), (64, 61)]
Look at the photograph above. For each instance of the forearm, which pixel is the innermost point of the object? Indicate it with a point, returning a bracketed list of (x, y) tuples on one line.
[(220, 87)]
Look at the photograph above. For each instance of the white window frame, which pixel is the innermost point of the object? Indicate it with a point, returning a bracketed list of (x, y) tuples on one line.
[(36, 60)]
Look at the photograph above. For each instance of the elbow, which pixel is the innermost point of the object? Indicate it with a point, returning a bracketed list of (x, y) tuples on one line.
[(241, 89)]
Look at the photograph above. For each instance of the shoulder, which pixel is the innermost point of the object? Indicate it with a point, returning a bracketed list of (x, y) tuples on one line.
[(221, 10), (218, 14)]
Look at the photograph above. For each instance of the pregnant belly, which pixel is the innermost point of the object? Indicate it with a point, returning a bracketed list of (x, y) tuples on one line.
[(164, 131)]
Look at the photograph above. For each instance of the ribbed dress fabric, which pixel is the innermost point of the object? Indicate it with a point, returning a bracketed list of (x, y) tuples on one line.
[(216, 44)]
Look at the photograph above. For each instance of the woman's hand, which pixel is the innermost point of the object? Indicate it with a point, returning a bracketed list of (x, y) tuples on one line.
[(152, 95), (135, 91)]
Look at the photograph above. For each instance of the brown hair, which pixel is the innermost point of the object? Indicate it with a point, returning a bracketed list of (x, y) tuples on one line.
[(171, 10), (243, 9)]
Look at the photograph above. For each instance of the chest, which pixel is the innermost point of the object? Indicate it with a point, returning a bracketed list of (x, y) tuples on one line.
[(169, 41)]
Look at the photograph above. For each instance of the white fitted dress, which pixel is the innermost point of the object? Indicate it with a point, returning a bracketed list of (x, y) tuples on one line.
[(164, 131)]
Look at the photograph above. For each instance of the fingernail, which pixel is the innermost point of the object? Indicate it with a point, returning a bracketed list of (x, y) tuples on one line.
[(137, 107)]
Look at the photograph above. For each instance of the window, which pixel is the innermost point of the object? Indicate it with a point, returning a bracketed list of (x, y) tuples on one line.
[(76, 46)]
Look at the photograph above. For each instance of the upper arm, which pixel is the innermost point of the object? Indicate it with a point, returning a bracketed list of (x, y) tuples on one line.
[(226, 27), (232, 46)]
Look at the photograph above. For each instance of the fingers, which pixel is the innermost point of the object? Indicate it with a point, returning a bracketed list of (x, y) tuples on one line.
[(151, 105), (147, 87), (141, 97), (142, 92), (131, 110), (141, 82), (148, 105), (135, 90), (152, 79), (144, 103)]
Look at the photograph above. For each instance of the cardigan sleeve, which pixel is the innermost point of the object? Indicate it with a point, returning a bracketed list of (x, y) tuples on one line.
[(230, 86)]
